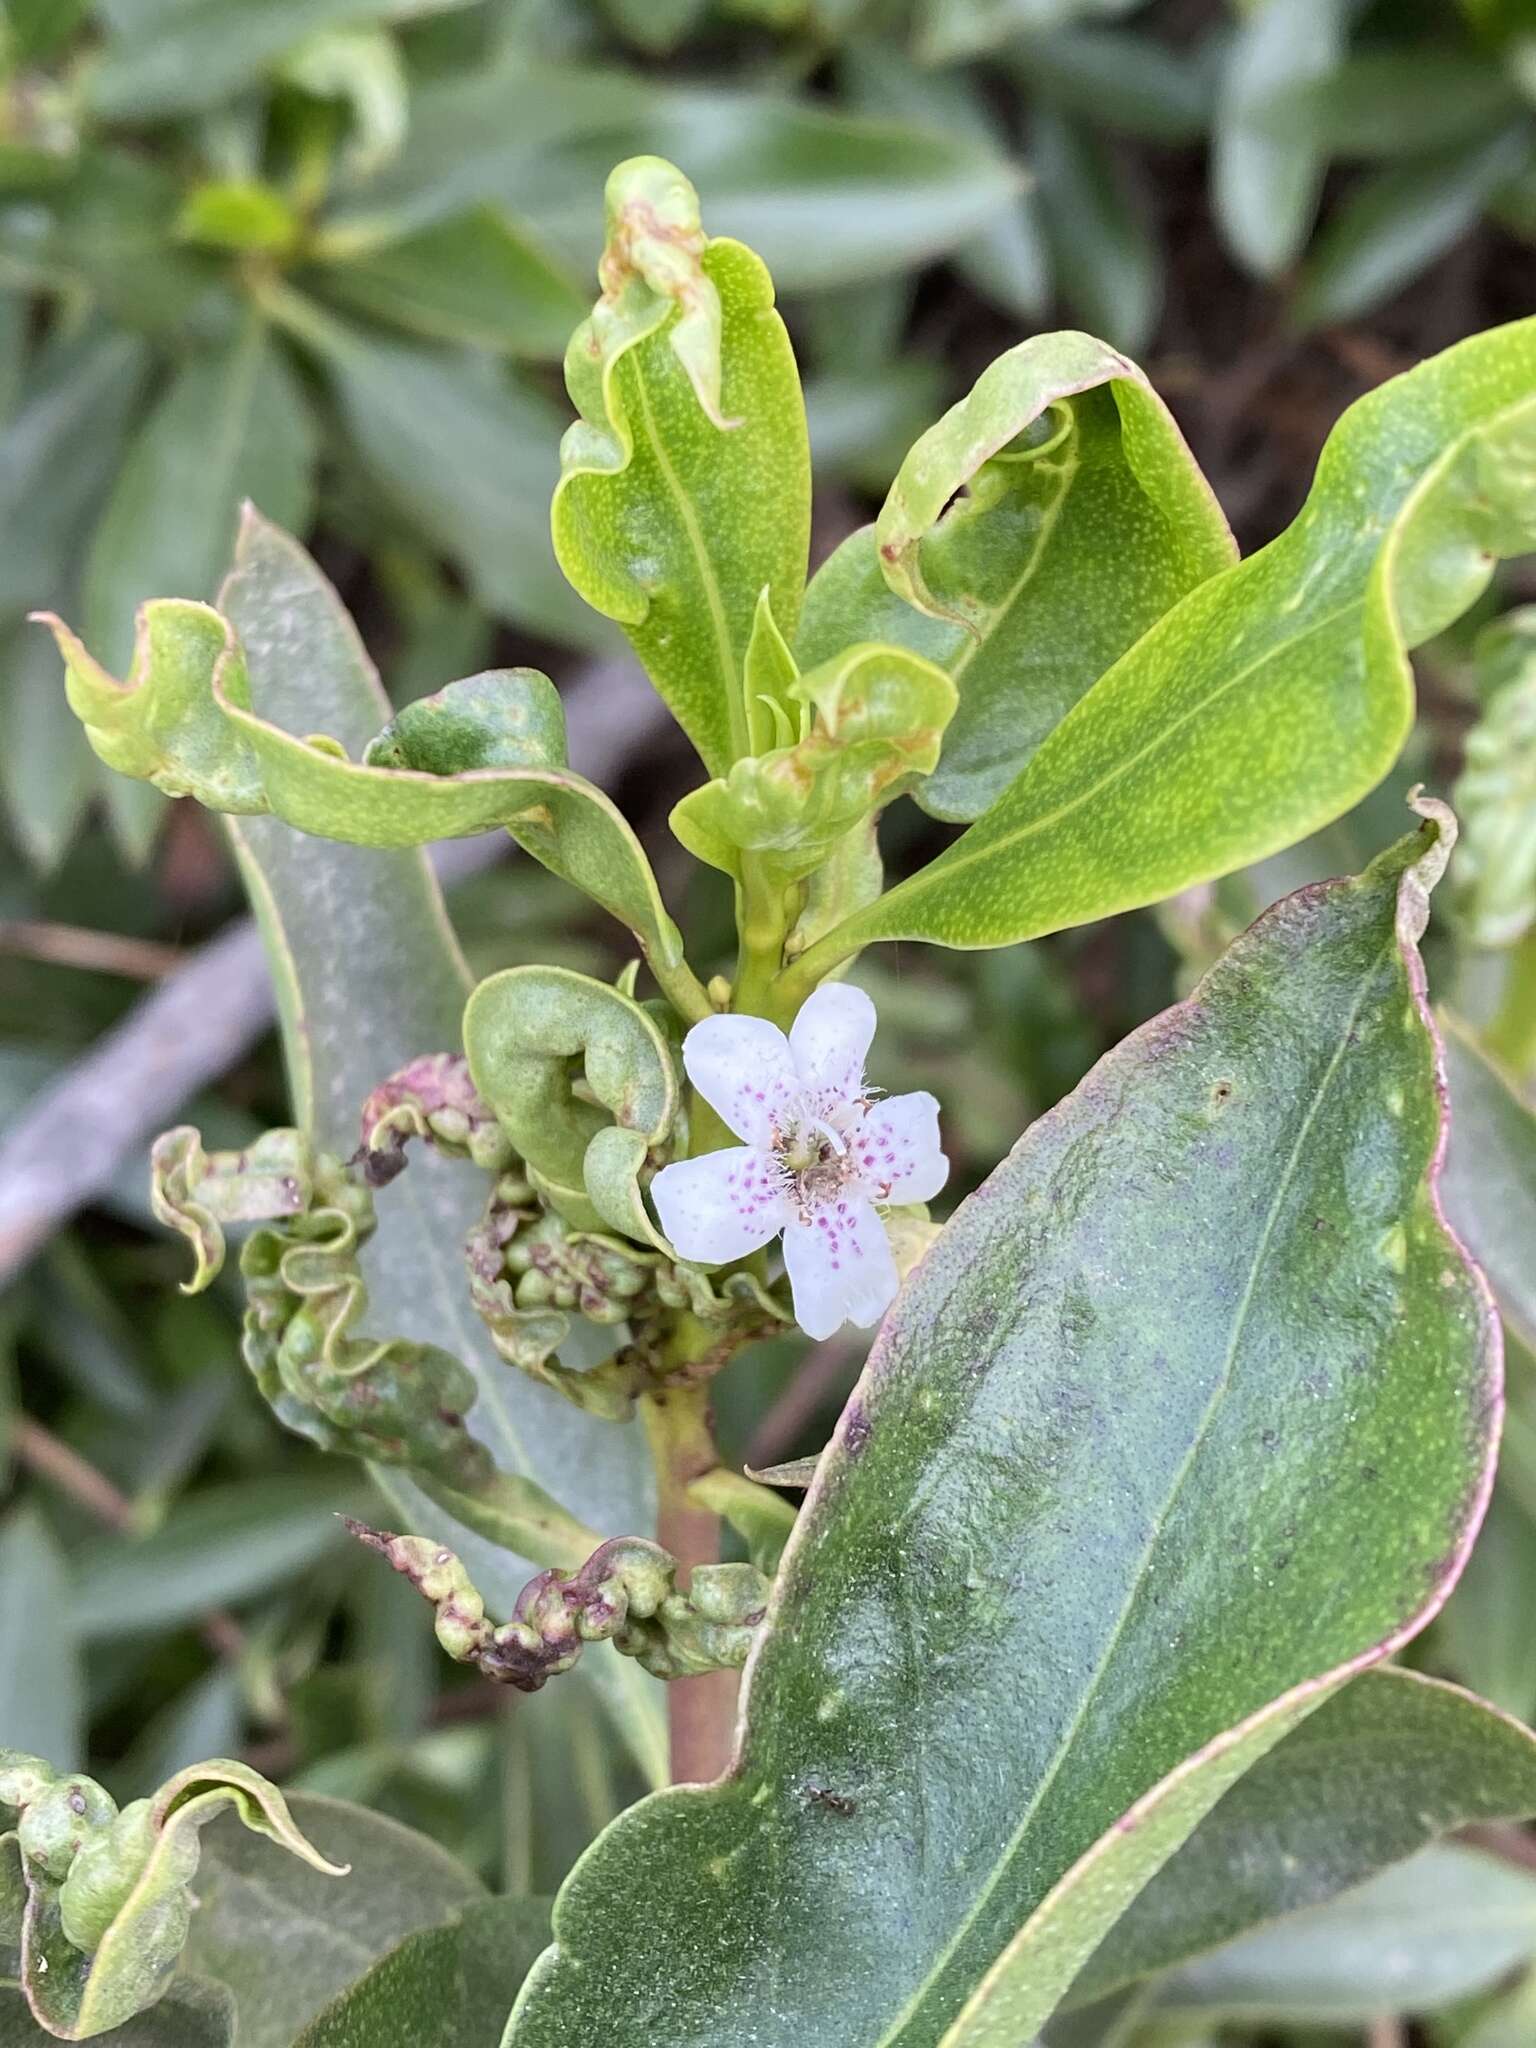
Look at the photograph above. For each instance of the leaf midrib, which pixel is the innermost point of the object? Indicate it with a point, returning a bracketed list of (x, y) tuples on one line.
[(914, 2006), (1065, 474)]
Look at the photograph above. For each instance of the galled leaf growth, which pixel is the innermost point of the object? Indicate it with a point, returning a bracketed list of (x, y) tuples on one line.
[(625, 1593), (685, 489), (1032, 534), (108, 1894), (1071, 1564)]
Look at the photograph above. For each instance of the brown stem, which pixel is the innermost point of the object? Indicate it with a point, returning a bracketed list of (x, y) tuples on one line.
[(701, 1711)]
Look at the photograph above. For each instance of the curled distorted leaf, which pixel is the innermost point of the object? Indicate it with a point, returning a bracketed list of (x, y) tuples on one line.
[(1071, 1562), (877, 717), (108, 1893), (1496, 791), (584, 1147), (484, 752), (432, 1098), (625, 1593), (196, 1192), (685, 484), (1269, 699), (1031, 535)]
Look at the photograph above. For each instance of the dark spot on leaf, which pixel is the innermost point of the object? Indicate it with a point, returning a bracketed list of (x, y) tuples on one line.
[(856, 1431)]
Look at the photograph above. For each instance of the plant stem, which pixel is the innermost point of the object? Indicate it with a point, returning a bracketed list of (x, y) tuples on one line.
[(701, 1711), (763, 917)]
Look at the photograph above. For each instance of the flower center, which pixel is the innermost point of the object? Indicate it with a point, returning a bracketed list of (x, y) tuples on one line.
[(814, 1155)]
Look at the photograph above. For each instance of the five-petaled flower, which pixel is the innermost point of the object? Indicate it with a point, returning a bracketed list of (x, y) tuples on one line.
[(819, 1153)]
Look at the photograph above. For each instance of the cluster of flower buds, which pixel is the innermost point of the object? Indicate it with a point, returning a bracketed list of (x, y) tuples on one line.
[(626, 1593)]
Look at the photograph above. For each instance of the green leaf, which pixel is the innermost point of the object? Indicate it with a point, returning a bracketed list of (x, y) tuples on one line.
[(445, 1987), (1106, 263), (42, 1690), (1485, 1635), (239, 214), (220, 1545), (1395, 222), (1450, 1922), (1386, 1764), (879, 715), (1116, 78), (1495, 792), (192, 2014), (1490, 1176), (1274, 695), (1071, 467), (480, 279), (287, 1941), (1385, 102), (996, 1691), (232, 425), (1266, 180), (368, 976), (685, 487), (108, 231), (464, 449)]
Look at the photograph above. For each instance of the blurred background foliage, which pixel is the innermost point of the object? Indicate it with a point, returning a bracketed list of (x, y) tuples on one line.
[(326, 254)]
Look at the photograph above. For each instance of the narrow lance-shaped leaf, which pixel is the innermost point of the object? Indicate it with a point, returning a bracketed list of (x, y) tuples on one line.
[(1269, 699), (1071, 1564), (1081, 518), (685, 485)]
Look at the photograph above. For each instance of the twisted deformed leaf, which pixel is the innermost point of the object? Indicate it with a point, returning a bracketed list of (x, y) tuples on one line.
[(394, 1400), (108, 1894), (1272, 696), (1031, 535), (625, 1593), (584, 1147), (432, 1098), (685, 484), (488, 751), (873, 719)]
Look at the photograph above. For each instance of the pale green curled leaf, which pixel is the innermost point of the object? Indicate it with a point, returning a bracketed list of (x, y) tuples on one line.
[(109, 1898), (1490, 1176), (368, 977), (876, 718), (1380, 1769), (1496, 790), (288, 1942), (522, 1030), (196, 1193), (1274, 695), (443, 1987), (1072, 1562), (685, 485), (1036, 531), (1450, 1922), (486, 751)]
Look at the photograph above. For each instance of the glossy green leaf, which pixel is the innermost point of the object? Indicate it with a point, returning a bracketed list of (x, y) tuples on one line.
[(445, 1987), (876, 717), (685, 488), (1107, 266), (1386, 1764), (1490, 1176), (463, 447), (1083, 519), (1266, 179), (368, 975), (287, 1941), (1274, 695), (1450, 1922), (479, 279), (483, 752), (194, 2013), (231, 426), (1397, 221), (998, 1689), (42, 1688)]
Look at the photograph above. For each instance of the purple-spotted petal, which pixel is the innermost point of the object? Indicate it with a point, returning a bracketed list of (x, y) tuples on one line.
[(831, 1037), (897, 1151), (742, 1068), (720, 1207), (841, 1268)]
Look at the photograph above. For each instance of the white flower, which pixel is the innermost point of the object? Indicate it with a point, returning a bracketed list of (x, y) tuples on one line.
[(818, 1155)]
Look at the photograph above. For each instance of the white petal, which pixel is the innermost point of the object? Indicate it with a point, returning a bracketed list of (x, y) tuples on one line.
[(720, 1207), (742, 1068), (841, 1269), (897, 1150), (831, 1037)]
